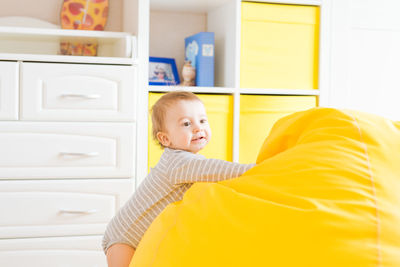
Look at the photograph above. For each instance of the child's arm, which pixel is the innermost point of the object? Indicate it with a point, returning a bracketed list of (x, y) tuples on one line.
[(199, 169), (119, 255)]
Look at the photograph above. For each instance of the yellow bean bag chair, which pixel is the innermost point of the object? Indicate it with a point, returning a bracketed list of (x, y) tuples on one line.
[(325, 192)]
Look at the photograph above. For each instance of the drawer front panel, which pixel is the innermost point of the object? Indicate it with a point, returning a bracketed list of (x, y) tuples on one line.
[(52, 252), (66, 150), (60, 208), (9, 91), (77, 92), (51, 209)]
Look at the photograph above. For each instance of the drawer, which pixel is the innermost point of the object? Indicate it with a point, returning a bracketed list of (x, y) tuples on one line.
[(60, 208), (66, 150), (52, 252), (77, 92), (9, 90)]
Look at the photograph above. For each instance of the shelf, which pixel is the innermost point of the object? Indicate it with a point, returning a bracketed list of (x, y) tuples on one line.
[(242, 91), (272, 91), (194, 89), (42, 44), (292, 2), (196, 6), (68, 59), (193, 6)]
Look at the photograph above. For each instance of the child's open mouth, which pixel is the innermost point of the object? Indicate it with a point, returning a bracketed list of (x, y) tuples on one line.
[(199, 139)]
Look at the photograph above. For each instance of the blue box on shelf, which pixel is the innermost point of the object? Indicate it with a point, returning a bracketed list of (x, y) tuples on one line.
[(199, 50)]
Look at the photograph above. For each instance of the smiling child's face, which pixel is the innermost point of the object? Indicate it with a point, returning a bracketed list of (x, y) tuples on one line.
[(186, 126)]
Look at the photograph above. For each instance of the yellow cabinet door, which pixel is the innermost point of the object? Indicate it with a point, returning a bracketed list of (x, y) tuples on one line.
[(220, 116), (257, 116), (279, 46)]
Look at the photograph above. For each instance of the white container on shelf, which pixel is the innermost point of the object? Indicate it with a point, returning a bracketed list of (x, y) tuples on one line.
[(25, 38)]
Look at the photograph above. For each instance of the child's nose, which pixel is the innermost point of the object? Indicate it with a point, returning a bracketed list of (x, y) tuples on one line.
[(197, 128)]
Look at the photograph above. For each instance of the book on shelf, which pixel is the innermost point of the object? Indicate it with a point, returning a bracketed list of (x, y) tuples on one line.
[(199, 50)]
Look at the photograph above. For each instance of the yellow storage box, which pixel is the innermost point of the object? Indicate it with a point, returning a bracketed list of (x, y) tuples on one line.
[(279, 46), (325, 192), (257, 116)]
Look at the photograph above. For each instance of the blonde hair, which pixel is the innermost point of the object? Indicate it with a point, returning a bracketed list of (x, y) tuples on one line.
[(160, 108)]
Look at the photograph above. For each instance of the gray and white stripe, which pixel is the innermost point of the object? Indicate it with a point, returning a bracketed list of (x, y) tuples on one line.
[(166, 183)]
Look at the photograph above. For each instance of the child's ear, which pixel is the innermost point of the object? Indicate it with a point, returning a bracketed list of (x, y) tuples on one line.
[(163, 139)]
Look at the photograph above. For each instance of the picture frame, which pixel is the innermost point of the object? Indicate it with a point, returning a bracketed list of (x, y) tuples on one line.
[(163, 71)]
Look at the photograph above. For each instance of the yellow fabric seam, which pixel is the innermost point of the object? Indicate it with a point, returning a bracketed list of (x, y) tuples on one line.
[(373, 188)]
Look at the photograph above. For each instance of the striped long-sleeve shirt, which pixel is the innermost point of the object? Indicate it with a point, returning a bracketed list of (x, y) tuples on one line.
[(175, 173)]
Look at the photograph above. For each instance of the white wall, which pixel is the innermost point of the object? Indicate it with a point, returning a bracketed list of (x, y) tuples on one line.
[(365, 56)]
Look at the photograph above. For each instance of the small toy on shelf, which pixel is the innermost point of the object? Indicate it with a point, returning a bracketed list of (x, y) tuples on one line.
[(188, 74)]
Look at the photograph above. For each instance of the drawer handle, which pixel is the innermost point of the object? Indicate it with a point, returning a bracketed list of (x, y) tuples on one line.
[(92, 211), (93, 96), (79, 154)]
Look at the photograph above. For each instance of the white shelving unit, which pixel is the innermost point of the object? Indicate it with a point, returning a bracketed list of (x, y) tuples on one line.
[(223, 17)]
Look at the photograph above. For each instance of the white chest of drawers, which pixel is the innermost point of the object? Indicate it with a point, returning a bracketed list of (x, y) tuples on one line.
[(67, 159)]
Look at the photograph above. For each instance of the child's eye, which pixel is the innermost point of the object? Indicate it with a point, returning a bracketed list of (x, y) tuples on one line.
[(202, 121), (186, 124)]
